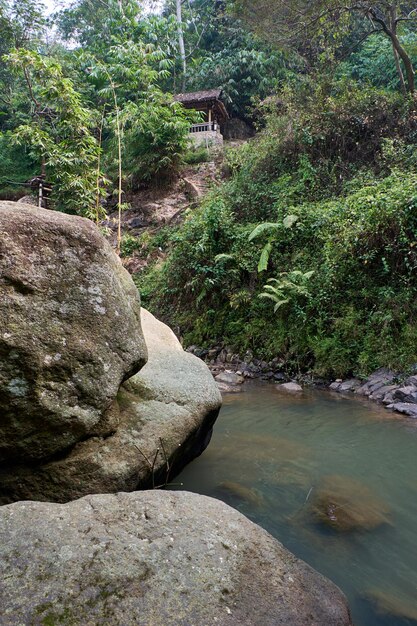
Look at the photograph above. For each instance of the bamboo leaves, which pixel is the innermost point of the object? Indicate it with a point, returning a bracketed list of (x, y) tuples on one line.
[(60, 133)]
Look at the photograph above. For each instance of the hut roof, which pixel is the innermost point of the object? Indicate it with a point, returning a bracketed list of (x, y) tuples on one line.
[(198, 96)]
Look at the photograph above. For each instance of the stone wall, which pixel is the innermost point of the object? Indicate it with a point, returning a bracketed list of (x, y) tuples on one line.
[(207, 138)]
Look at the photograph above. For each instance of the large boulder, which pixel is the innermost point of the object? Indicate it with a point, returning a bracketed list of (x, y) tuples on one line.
[(153, 559), (165, 418), (70, 332)]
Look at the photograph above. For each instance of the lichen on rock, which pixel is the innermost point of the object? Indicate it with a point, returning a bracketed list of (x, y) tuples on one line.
[(72, 336), (154, 559), (70, 331)]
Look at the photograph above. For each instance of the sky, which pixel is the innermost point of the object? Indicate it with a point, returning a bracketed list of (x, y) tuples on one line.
[(51, 5), (54, 5)]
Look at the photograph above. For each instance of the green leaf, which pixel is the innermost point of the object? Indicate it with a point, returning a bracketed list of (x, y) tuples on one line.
[(264, 259), (263, 228), (279, 304), (224, 257), (290, 220)]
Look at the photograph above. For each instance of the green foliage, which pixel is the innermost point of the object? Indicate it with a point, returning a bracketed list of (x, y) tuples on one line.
[(272, 228), (16, 166), (128, 245), (244, 68), (59, 132), (335, 237), (374, 64), (322, 29), (155, 137), (154, 128), (197, 155), (290, 286)]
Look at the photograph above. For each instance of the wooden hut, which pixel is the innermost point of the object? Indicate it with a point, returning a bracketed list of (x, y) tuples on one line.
[(215, 114)]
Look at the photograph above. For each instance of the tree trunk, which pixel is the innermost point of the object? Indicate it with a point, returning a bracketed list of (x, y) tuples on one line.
[(399, 71), (393, 25), (409, 70), (390, 29), (181, 43)]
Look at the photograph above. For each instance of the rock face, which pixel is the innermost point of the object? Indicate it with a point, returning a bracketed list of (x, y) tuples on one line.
[(70, 336), (70, 331), (153, 559), (236, 128), (165, 416)]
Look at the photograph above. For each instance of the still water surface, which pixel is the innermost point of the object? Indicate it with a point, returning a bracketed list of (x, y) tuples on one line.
[(271, 456)]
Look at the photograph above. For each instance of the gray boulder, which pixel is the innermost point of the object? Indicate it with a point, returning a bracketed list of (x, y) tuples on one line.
[(405, 408), (289, 388), (229, 378), (383, 392), (70, 332), (350, 385), (406, 394), (153, 559), (31, 200), (225, 388), (347, 385), (412, 380), (377, 380), (164, 415)]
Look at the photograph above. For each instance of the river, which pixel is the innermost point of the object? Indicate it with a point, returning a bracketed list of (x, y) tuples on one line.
[(334, 479)]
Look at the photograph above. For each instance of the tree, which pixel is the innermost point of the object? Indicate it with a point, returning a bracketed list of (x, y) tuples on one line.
[(181, 42), (22, 25), (22, 22), (293, 23), (57, 131), (97, 25), (154, 127)]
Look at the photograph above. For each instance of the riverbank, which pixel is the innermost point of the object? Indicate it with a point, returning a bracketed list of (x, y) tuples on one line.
[(397, 391)]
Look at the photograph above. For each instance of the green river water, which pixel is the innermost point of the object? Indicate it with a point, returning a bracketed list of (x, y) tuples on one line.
[(273, 454)]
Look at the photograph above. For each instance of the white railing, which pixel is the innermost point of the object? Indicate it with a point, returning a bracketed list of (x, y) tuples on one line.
[(203, 128)]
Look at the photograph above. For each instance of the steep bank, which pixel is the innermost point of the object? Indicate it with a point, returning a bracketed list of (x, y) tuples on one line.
[(330, 187)]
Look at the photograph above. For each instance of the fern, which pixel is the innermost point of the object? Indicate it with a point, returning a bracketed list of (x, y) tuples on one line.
[(264, 259), (290, 286)]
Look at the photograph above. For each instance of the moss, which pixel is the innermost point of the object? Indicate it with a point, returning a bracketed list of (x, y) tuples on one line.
[(53, 618)]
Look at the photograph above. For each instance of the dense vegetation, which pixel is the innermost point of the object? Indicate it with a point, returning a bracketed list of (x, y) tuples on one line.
[(91, 109), (308, 249), (332, 182)]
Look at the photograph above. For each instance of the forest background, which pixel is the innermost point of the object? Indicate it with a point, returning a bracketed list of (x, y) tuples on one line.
[(307, 251)]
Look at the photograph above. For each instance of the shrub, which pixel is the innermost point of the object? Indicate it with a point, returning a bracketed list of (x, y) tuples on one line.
[(355, 239), (197, 155)]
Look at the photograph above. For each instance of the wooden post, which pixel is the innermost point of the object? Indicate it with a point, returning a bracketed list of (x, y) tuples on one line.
[(40, 194)]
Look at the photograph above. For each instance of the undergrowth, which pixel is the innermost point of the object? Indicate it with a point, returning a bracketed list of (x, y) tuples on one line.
[(344, 164)]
